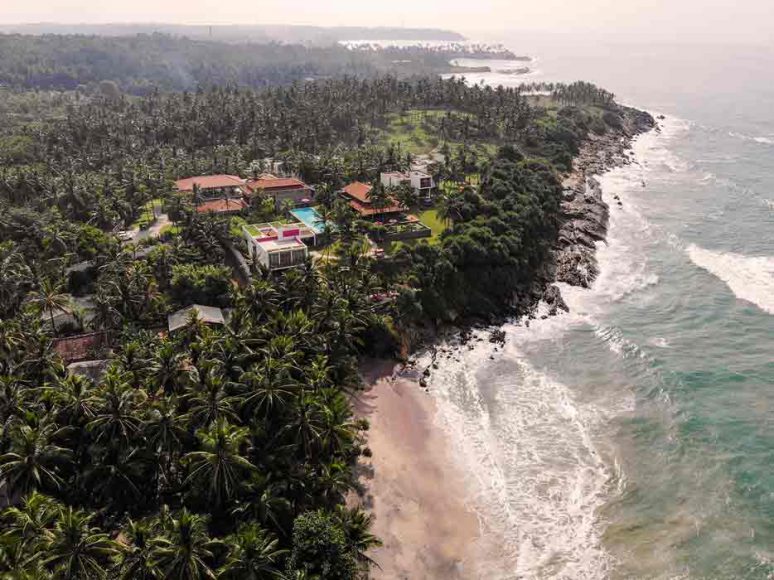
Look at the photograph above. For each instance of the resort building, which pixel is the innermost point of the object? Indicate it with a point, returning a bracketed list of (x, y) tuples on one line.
[(215, 193), (224, 206), (277, 246), (213, 186), (422, 183), (282, 189), (359, 196)]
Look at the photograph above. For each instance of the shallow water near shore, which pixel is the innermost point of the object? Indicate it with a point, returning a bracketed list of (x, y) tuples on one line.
[(634, 437)]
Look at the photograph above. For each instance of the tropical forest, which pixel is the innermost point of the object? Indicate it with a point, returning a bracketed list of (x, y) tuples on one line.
[(231, 450)]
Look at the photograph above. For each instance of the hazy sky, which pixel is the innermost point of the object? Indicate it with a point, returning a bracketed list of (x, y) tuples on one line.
[(728, 19)]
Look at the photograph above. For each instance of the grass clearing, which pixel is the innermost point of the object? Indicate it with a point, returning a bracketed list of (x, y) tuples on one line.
[(430, 218), (417, 131), (171, 229)]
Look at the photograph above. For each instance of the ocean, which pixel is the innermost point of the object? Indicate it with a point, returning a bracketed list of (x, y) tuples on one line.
[(634, 436)]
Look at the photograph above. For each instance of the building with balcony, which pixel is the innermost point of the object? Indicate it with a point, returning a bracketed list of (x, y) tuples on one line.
[(359, 197), (283, 190), (421, 183), (277, 246)]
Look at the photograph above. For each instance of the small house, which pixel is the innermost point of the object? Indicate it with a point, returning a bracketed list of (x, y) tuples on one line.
[(184, 317)]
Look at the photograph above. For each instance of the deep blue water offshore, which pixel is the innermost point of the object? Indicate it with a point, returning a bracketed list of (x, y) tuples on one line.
[(634, 437)]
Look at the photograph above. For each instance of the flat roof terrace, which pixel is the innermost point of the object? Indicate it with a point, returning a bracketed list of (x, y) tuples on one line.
[(269, 229), (274, 245)]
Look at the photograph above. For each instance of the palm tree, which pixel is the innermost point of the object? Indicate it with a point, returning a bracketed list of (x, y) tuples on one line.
[(337, 431), (73, 396), (266, 387), (451, 207), (27, 528), (165, 366), (12, 399), (210, 401), (34, 461), (116, 416), (15, 278), (51, 298), (137, 561), (219, 467), (254, 555), (78, 550), (356, 524), (165, 431), (186, 553)]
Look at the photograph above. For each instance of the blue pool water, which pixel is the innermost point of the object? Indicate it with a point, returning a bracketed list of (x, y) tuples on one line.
[(310, 218)]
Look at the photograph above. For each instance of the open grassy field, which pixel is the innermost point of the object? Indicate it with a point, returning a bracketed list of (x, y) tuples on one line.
[(417, 132), (431, 219)]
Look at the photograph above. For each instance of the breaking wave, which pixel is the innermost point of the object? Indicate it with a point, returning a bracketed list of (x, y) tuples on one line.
[(761, 140), (750, 278), (528, 453)]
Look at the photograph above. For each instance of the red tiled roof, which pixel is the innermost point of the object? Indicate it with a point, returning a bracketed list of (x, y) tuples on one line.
[(266, 183), (209, 182), (221, 206), (359, 191), (366, 209), (81, 347)]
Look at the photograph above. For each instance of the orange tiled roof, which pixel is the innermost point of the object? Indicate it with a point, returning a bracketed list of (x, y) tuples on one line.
[(221, 206), (209, 182), (359, 191), (366, 209), (266, 183), (80, 347)]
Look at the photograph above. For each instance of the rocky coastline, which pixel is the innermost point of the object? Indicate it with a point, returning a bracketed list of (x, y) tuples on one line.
[(585, 214)]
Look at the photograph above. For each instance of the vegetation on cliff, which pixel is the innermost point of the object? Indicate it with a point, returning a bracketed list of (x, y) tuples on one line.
[(228, 450)]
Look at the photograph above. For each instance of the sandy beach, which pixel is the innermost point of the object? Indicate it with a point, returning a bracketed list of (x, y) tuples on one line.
[(416, 495)]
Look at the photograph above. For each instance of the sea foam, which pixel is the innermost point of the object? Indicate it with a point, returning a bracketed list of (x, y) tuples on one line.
[(525, 442), (526, 447), (750, 278)]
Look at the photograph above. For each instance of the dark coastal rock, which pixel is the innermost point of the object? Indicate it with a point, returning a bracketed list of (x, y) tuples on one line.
[(553, 297), (585, 215)]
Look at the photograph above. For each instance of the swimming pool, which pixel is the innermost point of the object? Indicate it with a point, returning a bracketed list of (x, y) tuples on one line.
[(310, 218)]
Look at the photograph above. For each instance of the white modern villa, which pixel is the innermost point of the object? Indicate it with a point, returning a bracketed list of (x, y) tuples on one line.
[(277, 246), (421, 182)]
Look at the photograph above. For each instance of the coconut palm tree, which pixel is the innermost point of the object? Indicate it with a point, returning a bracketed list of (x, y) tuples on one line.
[(185, 551), (34, 461), (27, 528), (220, 467), (266, 387), (356, 524), (16, 278), (116, 411), (209, 401), (73, 396), (12, 395), (137, 561), (50, 298), (78, 550), (254, 555)]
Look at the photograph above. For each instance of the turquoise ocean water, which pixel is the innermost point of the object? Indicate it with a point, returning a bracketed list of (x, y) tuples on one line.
[(634, 437)]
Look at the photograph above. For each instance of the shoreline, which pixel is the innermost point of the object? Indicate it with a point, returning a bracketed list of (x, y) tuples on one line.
[(586, 214), (412, 488)]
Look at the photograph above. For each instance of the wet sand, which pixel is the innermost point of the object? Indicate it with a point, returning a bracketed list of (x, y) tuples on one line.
[(412, 489)]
